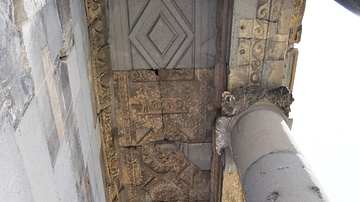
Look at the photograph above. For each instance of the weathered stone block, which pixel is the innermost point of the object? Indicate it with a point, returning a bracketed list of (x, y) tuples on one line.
[(274, 72), (16, 85), (31, 7), (200, 154), (96, 155), (73, 139), (89, 162), (66, 21), (238, 77), (64, 177), (276, 50), (63, 88), (53, 29), (73, 69), (35, 40), (84, 132), (86, 190), (14, 185), (35, 154)]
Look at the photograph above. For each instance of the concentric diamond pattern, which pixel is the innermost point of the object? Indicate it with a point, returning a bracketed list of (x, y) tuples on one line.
[(161, 34)]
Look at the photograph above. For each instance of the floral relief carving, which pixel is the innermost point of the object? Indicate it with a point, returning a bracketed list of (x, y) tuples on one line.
[(242, 98), (101, 68)]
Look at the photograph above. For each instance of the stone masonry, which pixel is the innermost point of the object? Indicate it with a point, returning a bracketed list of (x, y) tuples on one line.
[(49, 139)]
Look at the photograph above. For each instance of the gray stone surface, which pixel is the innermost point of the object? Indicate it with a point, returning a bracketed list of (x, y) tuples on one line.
[(35, 40), (281, 177), (49, 145), (31, 7), (14, 184), (82, 47), (259, 133), (97, 157), (267, 158), (52, 29), (35, 154), (16, 84), (200, 154), (64, 177), (84, 132), (74, 76), (47, 120), (187, 31), (242, 10)]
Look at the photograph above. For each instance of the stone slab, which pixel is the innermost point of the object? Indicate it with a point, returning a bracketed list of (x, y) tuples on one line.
[(33, 148), (187, 29), (64, 177), (31, 7), (200, 154), (14, 184), (96, 155), (52, 25), (74, 75), (84, 130), (35, 40), (47, 121)]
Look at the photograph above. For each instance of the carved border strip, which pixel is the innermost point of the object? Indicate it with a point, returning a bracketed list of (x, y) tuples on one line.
[(101, 67)]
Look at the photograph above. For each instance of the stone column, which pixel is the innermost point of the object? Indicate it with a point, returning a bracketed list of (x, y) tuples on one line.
[(270, 166)]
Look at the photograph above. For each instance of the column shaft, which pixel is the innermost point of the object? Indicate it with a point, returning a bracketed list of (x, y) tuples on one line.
[(268, 162)]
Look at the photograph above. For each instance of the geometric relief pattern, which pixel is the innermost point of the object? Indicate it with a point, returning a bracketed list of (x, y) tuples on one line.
[(161, 36), (161, 172), (158, 34), (160, 116), (168, 105)]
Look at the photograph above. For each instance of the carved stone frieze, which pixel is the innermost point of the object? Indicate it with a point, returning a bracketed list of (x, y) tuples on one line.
[(101, 68), (174, 105), (163, 172), (242, 98), (263, 44), (157, 113)]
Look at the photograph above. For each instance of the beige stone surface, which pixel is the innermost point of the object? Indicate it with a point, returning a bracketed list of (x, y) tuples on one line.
[(232, 190)]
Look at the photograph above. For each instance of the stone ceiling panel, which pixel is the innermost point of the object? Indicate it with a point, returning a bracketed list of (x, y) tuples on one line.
[(164, 124), (175, 105), (162, 34)]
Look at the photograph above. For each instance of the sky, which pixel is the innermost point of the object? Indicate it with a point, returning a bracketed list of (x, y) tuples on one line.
[(327, 102)]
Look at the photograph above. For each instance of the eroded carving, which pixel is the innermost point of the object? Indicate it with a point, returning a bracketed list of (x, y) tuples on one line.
[(264, 42), (162, 171), (162, 159), (263, 10), (172, 105), (242, 98), (101, 68), (296, 19)]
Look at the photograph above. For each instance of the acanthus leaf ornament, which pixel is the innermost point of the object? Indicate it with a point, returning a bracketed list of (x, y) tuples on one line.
[(242, 98)]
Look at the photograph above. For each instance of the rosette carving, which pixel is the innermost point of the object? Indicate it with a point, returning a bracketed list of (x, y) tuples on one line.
[(162, 159)]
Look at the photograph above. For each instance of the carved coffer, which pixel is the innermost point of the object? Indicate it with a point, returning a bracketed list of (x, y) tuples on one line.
[(165, 119), (153, 34), (163, 55)]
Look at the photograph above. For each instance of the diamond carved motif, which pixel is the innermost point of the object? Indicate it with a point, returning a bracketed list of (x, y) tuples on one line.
[(161, 35)]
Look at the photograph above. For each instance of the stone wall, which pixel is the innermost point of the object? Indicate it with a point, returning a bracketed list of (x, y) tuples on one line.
[(49, 139)]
